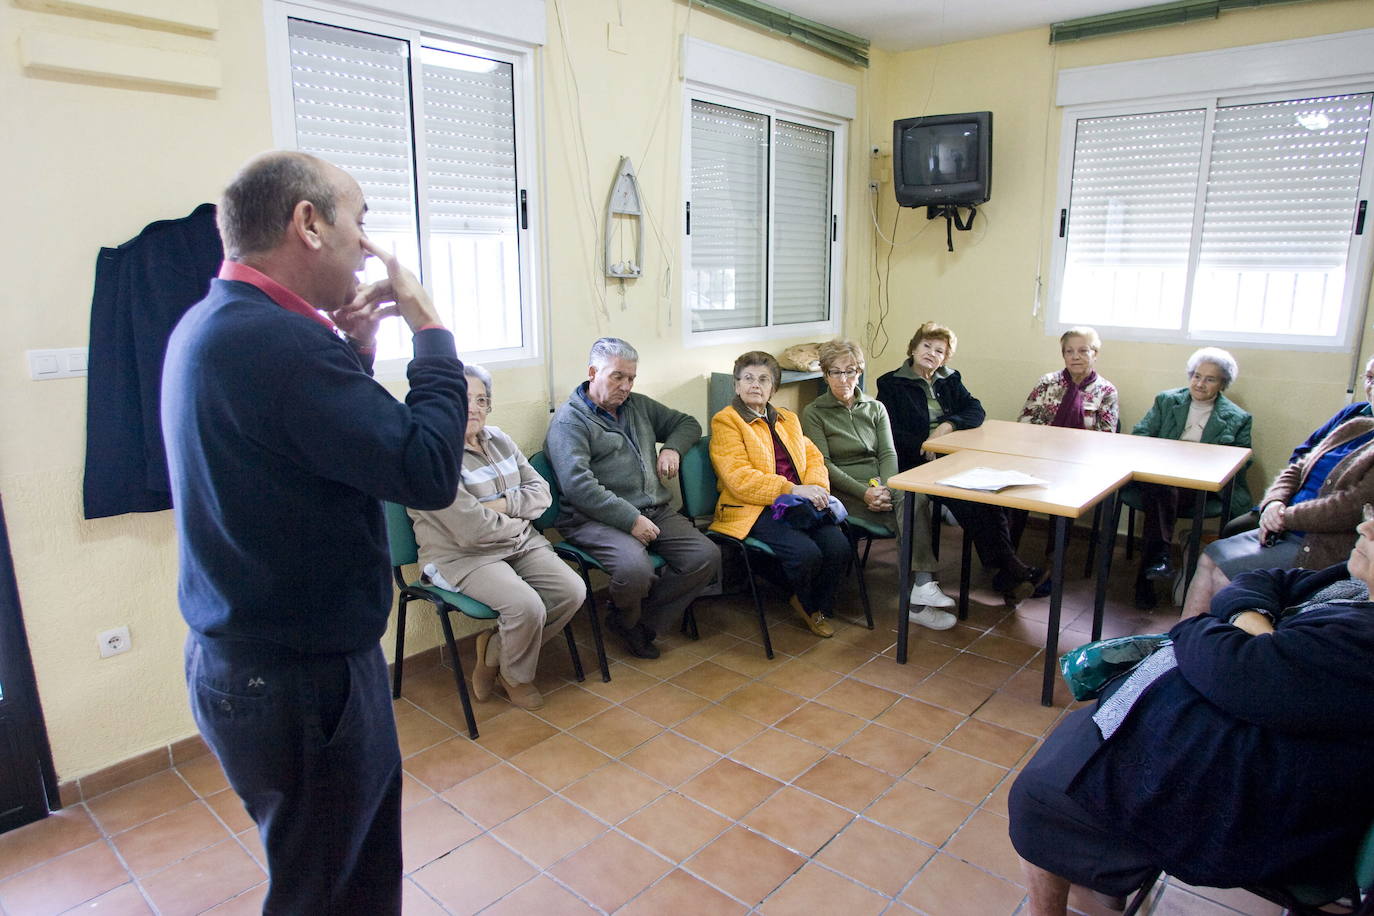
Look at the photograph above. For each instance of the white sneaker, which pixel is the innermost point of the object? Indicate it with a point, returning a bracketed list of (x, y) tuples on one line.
[(930, 595), (932, 618)]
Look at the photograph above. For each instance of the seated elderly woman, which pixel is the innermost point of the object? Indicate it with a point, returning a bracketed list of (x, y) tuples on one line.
[(854, 436), (1198, 412), (1077, 397), (485, 546), (1237, 756), (759, 453), (1306, 515), (925, 398)]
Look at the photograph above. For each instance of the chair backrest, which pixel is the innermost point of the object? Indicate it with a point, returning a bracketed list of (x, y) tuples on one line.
[(540, 462), (698, 480), (1364, 862), (400, 535)]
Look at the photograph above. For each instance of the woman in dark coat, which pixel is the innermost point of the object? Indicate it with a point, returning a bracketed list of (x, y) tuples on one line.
[(924, 399), (1243, 758)]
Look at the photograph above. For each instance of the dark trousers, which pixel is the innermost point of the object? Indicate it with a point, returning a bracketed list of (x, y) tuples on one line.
[(813, 561), (1161, 512), (309, 744), (990, 531)]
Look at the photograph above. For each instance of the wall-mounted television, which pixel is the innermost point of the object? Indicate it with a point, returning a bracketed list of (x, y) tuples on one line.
[(940, 160)]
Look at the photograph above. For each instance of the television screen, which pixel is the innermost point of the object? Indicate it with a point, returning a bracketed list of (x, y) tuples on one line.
[(943, 159)]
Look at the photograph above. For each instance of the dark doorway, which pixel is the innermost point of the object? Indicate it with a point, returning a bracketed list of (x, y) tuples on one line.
[(28, 783)]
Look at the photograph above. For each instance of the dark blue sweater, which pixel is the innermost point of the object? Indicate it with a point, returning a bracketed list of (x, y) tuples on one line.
[(280, 446), (1253, 761)]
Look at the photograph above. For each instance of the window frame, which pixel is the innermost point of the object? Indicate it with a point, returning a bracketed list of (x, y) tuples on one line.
[(805, 99), (1231, 68), (448, 36)]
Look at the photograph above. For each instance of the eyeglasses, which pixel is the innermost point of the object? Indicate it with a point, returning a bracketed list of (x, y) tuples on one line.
[(844, 373), (483, 402), (1205, 379), (764, 380)]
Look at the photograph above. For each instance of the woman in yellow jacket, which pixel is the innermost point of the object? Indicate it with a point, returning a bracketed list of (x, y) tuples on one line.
[(759, 454)]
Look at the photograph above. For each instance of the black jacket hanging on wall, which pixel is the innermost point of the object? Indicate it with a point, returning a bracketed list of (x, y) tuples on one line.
[(141, 290)]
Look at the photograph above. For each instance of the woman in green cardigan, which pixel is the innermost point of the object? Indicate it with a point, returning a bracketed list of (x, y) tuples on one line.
[(1198, 412), (854, 435)]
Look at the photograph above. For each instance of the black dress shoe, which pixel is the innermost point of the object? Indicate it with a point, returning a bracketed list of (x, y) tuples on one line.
[(1145, 598), (1019, 585), (635, 638), (1160, 571)]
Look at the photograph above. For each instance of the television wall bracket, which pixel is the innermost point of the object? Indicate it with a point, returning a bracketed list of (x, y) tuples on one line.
[(952, 220)]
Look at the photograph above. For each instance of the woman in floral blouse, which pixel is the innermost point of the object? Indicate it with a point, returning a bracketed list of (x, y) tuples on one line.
[(1076, 397)]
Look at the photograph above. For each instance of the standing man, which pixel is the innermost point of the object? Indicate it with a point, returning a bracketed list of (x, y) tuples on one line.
[(602, 444), (280, 446)]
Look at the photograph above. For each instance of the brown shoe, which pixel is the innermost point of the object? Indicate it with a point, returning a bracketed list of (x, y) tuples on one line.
[(523, 695), (816, 622), (483, 675)]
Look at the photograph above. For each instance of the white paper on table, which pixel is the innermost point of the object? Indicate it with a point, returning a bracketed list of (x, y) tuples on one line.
[(991, 480)]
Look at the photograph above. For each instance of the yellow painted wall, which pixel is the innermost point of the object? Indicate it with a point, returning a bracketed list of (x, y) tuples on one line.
[(95, 161), (985, 290)]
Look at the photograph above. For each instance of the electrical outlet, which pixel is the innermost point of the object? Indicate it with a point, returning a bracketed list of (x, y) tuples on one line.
[(113, 642), (873, 186)]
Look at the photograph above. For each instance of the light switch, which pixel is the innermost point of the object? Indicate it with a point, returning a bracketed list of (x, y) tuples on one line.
[(67, 363)]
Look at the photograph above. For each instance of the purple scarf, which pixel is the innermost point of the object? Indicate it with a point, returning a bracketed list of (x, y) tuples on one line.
[(1070, 413)]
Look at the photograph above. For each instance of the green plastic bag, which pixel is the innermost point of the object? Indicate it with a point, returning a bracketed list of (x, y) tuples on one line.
[(1088, 668)]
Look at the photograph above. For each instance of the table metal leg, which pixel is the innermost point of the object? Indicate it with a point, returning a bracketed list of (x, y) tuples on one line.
[(904, 574), (1195, 537), (965, 573), (1227, 492), (1105, 541), (1061, 538)]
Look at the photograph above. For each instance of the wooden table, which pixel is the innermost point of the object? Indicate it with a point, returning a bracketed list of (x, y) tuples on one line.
[(1071, 490), (1190, 465)]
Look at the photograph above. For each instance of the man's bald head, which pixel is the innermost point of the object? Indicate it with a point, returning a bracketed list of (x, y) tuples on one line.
[(258, 203)]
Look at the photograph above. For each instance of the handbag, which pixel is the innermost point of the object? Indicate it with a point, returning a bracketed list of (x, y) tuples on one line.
[(1090, 667), (799, 513)]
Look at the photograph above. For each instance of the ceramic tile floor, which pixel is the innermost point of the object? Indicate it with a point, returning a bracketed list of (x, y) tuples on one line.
[(710, 780)]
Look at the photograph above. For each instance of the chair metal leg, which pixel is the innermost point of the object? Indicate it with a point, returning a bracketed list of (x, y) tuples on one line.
[(458, 678), (937, 518), (400, 647), (595, 618), (758, 603), (1141, 895), (572, 650), (863, 586), (1092, 541), (1130, 531)]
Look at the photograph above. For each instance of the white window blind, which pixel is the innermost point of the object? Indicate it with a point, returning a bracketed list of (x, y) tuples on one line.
[(1281, 193), (802, 223), (355, 97), (729, 196), (352, 105), (1130, 219)]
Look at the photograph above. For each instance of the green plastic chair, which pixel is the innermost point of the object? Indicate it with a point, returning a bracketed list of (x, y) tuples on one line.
[(700, 490), (574, 554), (1306, 899), (472, 616)]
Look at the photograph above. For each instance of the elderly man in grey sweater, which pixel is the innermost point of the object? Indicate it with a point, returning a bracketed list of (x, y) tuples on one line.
[(602, 444)]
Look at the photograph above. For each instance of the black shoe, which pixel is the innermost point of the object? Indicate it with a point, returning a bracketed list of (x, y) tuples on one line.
[(1160, 571), (1145, 598), (636, 638), (1018, 585), (1043, 589)]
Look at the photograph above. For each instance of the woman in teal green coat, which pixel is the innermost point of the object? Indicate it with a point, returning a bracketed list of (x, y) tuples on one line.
[(854, 435), (1197, 412)]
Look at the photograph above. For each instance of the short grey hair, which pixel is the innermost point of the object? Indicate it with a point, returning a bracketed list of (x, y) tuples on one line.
[(608, 348), (256, 207), (481, 374), (1087, 333), (1219, 358)]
